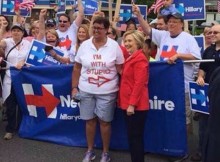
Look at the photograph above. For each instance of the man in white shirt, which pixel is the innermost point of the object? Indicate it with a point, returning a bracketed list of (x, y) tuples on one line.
[(174, 44), (68, 32)]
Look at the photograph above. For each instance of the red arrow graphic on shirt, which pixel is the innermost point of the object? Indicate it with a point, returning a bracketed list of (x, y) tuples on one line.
[(168, 54), (66, 43), (98, 81), (47, 100)]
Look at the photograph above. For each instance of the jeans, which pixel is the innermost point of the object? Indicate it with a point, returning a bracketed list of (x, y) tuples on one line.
[(13, 112)]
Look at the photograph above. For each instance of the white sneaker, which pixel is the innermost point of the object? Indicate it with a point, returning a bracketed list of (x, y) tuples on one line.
[(8, 136)]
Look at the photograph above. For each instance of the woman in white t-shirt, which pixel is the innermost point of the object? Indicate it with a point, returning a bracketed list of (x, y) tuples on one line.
[(97, 64), (15, 51)]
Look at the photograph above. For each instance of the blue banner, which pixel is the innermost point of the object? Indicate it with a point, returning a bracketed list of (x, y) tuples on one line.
[(38, 56), (199, 97), (191, 10), (51, 115)]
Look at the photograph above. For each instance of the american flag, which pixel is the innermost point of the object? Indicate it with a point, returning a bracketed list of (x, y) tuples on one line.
[(218, 5), (156, 6), (27, 4)]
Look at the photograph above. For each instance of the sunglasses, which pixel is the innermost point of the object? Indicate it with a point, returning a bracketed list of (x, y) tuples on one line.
[(213, 32), (60, 21), (97, 28)]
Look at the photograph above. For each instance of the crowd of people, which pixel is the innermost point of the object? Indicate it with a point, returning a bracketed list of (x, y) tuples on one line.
[(121, 65)]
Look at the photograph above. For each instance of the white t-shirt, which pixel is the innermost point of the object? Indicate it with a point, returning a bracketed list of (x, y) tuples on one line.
[(15, 56), (68, 38), (72, 55), (98, 73), (63, 49), (184, 43)]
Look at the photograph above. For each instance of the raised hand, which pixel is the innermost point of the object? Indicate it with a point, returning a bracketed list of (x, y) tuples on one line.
[(136, 10)]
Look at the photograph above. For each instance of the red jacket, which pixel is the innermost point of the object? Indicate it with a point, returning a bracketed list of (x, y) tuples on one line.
[(134, 82)]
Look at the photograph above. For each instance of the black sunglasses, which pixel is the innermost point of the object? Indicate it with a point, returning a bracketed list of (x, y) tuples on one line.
[(60, 21)]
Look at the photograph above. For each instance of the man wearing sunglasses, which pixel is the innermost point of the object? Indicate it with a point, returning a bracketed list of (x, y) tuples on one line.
[(175, 44), (67, 31)]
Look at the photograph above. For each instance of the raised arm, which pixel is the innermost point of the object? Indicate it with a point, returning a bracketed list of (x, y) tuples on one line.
[(144, 24), (80, 15), (71, 13), (42, 30), (94, 16)]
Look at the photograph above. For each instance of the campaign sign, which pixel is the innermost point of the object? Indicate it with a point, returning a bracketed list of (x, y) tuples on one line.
[(61, 6), (90, 6), (191, 10), (7, 8), (38, 56), (49, 114), (126, 12), (201, 42), (199, 97)]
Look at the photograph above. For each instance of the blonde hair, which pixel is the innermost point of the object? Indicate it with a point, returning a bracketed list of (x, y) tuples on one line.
[(206, 30), (54, 32), (86, 28), (140, 40), (138, 37)]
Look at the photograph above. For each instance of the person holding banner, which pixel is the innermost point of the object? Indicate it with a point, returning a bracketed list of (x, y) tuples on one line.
[(133, 93), (16, 49), (97, 64), (174, 44)]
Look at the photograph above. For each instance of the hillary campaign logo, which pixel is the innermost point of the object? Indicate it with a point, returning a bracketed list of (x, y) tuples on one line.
[(191, 10), (65, 42), (38, 56), (168, 52), (198, 97), (47, 105)]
